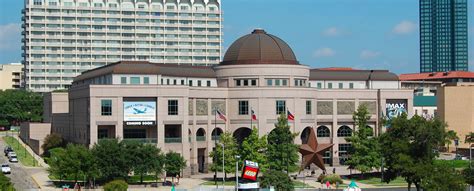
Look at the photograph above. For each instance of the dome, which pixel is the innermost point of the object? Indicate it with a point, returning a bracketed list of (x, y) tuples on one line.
[(259, 48)]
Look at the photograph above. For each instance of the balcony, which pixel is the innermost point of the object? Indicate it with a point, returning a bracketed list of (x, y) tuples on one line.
[(200, 138), (173, 140), (142, 140), (216, 138)]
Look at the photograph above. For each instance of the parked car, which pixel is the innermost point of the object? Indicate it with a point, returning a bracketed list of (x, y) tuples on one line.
[(10, 154), (13, 159), (6, 169), (7, 149)]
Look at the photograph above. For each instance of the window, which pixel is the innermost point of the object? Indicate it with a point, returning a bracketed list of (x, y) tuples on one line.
[(344, 131), (246, 82), (280, 107), (146, 80), (319, 85), (329, 85), (343, 156), (243, 107), (277, 82), (253, 82), (323, 131), (199, 83), (134, 80), (106, 107), (123, 80), (37, 2), (182, 82), (269, 82), (190, 83), (208, 83), (308, 107), (341, 86), (351, 85), (175, 82), (284, 82), (172, 107), (238, 83)]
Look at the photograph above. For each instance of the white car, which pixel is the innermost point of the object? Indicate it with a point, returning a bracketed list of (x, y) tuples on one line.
[(13, 159), (6, 169), (11, 154)]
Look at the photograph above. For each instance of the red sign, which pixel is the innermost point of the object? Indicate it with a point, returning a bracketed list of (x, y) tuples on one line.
[(250, 173)]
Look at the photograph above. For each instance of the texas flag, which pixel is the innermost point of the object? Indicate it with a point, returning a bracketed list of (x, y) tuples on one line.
[(221, 116), (254, 117), (290, 116)]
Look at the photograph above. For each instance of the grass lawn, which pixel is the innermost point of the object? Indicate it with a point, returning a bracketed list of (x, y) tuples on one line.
[(454, 163), (146, 178), (299, 184), (23, 156), (375, 181)]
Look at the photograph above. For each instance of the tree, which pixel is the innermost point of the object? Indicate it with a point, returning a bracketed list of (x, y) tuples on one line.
[(146, 159), (253, 149), (5, 184), (51, 141), (365, 152), (468, 174), (230, 151), (281, 148), (116, 185), (19, 106), (112, 159), (408, 148), (174, 163), (443, 177), (450, 136), (278, 179), (75, 161)]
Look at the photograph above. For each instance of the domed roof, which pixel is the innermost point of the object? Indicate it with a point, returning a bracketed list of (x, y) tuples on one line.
[(259, 48)]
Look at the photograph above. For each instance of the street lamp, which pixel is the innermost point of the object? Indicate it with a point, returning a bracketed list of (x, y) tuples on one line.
[(237, 172)]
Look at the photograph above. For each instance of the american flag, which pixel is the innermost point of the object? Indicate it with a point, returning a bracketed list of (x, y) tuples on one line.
[(254, 117), (290, 116), (221, 116)]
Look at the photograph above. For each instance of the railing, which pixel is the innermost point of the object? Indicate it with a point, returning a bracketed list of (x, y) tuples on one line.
[(200, 138), (216, 137), (143, 140), (173, 140)]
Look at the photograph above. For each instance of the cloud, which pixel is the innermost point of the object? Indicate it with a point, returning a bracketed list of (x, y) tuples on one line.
[(324, 52), (10, 36), (332, 31), (404, 27), (367, 54)]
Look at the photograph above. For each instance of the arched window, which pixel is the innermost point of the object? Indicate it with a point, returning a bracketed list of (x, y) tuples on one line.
[(323, 131), (305, 134), (201, 135), (216, 133), (344, 131)]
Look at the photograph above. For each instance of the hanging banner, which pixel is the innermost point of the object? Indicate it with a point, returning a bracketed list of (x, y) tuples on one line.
[(395, 107), (139, 112)]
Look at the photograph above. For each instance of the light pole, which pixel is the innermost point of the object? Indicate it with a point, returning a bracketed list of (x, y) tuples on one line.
[(237, 172)]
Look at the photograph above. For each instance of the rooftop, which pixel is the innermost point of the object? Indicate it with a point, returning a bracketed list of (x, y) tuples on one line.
[(436, 75)]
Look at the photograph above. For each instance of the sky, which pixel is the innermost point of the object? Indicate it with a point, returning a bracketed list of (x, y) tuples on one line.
[(362, 34)]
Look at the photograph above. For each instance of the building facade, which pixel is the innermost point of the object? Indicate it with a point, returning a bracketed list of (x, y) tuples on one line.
[(174, 106), (62, 38), (443, 35), (11, 76), (456, 108)]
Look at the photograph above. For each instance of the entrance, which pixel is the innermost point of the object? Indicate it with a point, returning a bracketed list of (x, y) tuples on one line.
[(201, 159)]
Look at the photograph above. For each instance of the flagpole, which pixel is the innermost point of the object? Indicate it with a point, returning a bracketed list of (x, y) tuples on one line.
[(215, 146), (251, 118)]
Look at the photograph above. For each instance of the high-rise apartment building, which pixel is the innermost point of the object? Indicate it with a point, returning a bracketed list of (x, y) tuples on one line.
[(443, 35), (10, 76), (62, 38)]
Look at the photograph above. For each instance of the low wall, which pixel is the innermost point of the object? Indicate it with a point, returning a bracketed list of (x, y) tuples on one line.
[(33, 134)]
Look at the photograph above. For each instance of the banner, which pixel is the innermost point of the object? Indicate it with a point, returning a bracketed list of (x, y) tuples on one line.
[(395, 107), (139, 112)]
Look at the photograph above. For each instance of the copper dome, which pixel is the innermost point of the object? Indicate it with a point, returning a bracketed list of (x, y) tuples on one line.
[(259, 48)]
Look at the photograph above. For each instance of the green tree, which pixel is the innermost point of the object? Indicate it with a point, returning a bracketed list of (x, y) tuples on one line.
[(230, 151), (146, 159), (74, 161), (5, 184), (278, 179), (365, 152), (20, 106), (443, 177), (468, 174), (450, 136), (174, 163), (253, 149), (52, 141), (112, 159), (116, 185), (281, 148), (408, 148)]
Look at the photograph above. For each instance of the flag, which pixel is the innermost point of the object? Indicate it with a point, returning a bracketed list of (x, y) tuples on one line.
[(290, 116), (221, 116), (254, 117)]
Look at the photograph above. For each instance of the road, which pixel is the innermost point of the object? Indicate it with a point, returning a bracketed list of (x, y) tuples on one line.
[(20, 175)]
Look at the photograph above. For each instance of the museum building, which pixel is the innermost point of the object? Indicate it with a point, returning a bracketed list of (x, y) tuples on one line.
[(173, 106)]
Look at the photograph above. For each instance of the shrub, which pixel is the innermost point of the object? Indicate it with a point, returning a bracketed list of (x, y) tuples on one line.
[(333, 179), (116, 185), (279, 180), (321, 177), (52, 141), (5, 184)]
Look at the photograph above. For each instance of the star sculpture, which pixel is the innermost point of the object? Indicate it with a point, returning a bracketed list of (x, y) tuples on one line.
[(313, 152)]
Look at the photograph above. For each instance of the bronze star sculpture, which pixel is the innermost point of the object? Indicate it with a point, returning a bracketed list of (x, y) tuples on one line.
[(313, 152)]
